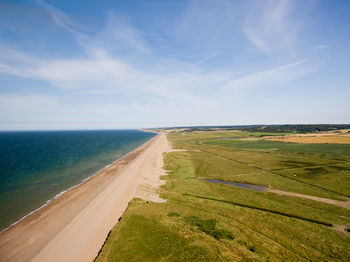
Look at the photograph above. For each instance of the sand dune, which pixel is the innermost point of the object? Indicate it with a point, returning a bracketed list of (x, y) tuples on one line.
[(74, 226)]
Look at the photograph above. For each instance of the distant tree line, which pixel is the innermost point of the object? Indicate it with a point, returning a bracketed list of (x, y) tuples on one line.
[(297, 128), (301, 128)]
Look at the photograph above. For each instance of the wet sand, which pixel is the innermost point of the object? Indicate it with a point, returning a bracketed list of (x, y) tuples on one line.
[(74, 226)]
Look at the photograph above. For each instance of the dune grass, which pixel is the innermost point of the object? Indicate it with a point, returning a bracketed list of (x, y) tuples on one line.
[(202, 221)]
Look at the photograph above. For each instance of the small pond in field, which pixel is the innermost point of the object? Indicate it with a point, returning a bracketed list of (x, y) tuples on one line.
[(242, 185)]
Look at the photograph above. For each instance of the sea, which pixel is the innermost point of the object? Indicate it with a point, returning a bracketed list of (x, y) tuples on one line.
[(37, 166)]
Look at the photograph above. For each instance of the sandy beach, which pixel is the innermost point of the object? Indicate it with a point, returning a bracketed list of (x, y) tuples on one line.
[(74, 226)]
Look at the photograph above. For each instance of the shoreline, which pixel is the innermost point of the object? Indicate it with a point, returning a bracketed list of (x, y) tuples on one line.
[(74, 225), (72, 187)]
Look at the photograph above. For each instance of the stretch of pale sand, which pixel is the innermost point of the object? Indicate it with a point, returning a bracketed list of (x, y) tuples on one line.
[(74, 226)]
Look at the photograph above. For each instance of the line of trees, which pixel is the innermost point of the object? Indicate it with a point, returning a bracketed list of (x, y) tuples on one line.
[(301, 128)]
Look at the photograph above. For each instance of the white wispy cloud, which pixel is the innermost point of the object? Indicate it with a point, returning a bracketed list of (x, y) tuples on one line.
[(283, 73), (59, 17), (105, 74), (119, 61), (10, 55), (320, 47), (208, 57), (105, 70), (120, 32), (270, 26)]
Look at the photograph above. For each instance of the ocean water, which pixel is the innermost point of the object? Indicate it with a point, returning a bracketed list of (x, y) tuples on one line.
[(36, 166)]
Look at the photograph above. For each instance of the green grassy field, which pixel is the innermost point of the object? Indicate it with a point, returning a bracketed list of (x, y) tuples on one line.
[(203, 221)]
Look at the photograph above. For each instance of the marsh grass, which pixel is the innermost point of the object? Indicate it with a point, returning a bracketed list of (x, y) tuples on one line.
[(208, 226), (204, 221)]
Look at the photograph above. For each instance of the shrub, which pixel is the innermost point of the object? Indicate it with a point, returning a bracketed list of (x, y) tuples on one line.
[(223, 234), (208, 226), (252, 248), (173, 214)]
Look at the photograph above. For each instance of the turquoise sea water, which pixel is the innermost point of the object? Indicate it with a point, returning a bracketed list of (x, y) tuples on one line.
[(36, 166)]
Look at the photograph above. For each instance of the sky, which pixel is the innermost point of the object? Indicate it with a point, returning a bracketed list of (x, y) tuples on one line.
[(138, 64)]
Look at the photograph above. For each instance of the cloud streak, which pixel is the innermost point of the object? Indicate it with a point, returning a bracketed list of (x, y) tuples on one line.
[(119, 73), (104, 69), (278, 74), (59, 17), (269, 25)]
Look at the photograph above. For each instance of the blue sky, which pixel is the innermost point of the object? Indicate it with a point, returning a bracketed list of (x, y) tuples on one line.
[(131, 64)]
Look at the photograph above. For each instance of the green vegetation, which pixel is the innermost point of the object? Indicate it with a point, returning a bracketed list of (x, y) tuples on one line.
[(269, 128), (298, 128), (208, 226), (204, 221), (173, 214), (340, 150), (269, 211)]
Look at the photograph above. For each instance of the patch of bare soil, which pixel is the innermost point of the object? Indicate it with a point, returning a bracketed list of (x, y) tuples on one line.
[(344, 204), (341, 228)]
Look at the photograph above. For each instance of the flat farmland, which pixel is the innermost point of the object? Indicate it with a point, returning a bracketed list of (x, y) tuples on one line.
[(331, 139)]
